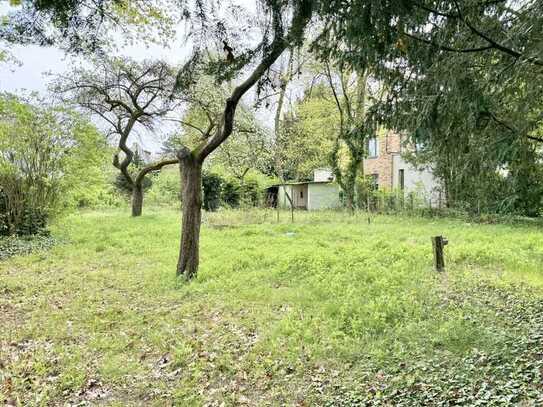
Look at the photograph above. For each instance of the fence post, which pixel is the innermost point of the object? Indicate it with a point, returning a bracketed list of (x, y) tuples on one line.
[(438, 244)]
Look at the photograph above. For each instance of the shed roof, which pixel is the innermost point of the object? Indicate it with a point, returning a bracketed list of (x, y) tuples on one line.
[(302, 183)]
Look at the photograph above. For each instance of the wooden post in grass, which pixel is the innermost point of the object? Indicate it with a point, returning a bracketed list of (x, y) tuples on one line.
[(438, 244), (368, 208)]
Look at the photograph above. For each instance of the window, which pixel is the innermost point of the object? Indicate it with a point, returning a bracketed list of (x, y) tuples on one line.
[(374, 182), (401, 179), (302, 194), (373, 147)]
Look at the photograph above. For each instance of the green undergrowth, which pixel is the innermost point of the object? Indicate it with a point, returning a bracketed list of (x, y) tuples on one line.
[(329, 310), (21, 245)]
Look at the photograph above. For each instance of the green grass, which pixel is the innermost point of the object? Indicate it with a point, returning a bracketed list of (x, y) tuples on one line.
[(329, 310)]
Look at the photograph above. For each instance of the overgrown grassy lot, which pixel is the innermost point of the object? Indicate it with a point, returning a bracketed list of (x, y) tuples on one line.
[(329, 310)]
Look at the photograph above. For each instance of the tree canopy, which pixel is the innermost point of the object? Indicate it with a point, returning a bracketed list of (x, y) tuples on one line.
[(87, 26), (124, 94)]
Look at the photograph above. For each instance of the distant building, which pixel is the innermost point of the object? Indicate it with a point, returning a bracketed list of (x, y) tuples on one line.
[(389, 170), (385, 166), (321, 193)]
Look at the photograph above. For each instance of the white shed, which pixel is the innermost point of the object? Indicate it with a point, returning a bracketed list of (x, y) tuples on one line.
[(310, 195), (321, 193)]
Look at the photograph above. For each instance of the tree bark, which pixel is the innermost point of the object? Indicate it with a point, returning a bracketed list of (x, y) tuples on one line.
[(191, 192), (137, 199), (349, 202), (137, 184), (190, 162)]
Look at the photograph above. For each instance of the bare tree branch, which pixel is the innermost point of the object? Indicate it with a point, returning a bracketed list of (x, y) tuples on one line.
[(300, 19)]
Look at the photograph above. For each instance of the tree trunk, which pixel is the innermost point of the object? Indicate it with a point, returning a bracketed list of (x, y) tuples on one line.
[(291, 205), (191, 193), (349, 202), (137, 199)]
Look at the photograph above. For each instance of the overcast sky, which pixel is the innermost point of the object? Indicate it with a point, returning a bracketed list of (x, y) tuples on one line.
[(36, 62)]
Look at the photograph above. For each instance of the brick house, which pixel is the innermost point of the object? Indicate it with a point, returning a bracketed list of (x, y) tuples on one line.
[(384, 164), (388, 170)]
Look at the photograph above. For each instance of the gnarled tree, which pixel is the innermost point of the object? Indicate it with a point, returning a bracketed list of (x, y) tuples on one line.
[(192, 159), (125, 94)]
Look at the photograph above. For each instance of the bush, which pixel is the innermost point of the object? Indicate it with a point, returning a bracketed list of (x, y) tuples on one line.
[(18, 214), (48, 159), (218, 190), (230, 194), (211, 185), (34, 221), (123, 186), (250, 193)]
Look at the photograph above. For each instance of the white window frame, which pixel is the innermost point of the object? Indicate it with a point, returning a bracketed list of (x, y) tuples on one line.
[(375, 142)]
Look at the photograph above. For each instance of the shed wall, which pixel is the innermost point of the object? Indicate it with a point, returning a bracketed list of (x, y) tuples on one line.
[(323, 196), (298, 193)]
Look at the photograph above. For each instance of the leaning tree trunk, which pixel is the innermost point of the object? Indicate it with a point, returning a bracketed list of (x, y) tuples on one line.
[(137, 199), (191, 194)]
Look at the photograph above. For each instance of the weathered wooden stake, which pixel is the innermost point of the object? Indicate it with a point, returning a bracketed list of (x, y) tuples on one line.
[(438, 243)]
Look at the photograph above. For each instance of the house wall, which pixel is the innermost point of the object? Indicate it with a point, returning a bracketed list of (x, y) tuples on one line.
[(382, 165), (421, 182), (323, 196), (390, 161)]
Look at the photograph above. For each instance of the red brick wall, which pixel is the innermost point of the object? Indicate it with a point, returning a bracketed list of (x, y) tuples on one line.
[(389, 143)]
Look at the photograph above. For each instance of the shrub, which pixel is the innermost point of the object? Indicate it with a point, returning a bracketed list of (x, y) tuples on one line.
[(124, 187), (19, 214), (211, 185), (122, 184), (218, 190), (250, 193), (47, 156), (230, 194)]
